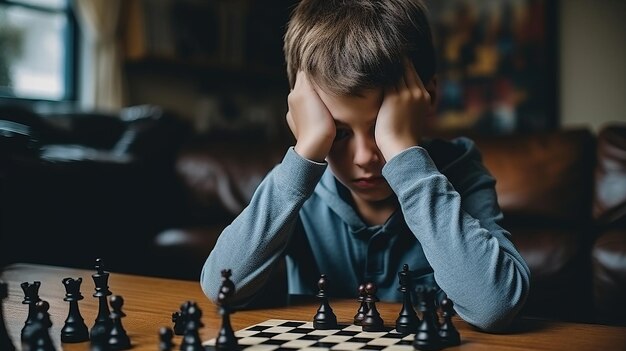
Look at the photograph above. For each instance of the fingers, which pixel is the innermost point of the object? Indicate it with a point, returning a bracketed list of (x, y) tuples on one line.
[(291, 124), (413, 81)]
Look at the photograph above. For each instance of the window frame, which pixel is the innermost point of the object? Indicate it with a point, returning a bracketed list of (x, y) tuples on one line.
[(71, 60)]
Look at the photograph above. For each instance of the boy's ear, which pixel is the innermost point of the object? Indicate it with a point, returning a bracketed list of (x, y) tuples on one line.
[(431, 88)]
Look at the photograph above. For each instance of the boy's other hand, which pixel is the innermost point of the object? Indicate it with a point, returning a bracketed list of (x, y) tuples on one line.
[(404, 108), (310, 121)]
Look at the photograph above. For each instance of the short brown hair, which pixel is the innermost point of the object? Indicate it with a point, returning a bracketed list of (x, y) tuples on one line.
[(347, 46)]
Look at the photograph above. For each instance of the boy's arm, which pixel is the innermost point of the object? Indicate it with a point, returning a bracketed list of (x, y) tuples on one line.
[(473, 259), (254, 242)]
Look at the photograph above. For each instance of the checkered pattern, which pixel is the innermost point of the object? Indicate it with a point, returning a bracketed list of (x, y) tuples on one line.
[(279, 334)]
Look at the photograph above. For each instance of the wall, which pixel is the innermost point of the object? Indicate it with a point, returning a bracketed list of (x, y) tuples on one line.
[(592, 62), (592, 74)]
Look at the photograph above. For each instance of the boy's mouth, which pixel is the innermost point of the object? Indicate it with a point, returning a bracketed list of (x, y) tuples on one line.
[(368, 182)]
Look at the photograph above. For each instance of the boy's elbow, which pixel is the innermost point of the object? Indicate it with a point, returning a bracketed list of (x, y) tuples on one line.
[(208, 286), (499, 315)]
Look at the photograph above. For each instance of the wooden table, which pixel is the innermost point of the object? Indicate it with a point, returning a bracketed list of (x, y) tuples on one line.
[(149, 303)]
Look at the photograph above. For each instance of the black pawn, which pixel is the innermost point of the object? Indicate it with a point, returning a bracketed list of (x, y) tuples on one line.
[(427, 336), (407, 321), (101, 281), (118, 339), (179, 318), (372, 321), (40, 329), (226, 339), (99, 338), (448, 333), (166, 337), (360, 313), (31, 297), (191, 339), (5, 340), (74, 330), (324, 319)]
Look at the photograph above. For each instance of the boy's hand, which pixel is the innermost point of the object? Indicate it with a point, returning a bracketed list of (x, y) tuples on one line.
[(310, 121), (404, 107)]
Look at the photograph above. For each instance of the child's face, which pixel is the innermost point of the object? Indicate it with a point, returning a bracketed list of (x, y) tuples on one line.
[(354, 157)]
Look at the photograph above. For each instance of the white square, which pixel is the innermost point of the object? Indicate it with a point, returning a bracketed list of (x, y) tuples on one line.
[(383, 341), (313, 349), (409, 337), (263, 347), (209, 342), (278, 329), (251, 340), (370, 335), (274, 322), (335, 338), (244, 333), (288, 336), (348, 346), (307, 325), (299, 343), (353, 327), (399, 348), (323, 332)]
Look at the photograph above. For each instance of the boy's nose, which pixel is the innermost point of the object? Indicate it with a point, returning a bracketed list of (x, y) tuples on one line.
[(366, 152)]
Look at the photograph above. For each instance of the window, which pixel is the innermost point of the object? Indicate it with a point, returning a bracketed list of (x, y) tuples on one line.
[(37, 49)]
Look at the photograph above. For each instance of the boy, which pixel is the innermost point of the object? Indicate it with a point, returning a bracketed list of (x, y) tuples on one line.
[(362, 77)]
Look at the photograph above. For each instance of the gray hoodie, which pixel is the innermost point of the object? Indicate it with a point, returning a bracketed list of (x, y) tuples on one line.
[(446, 230)]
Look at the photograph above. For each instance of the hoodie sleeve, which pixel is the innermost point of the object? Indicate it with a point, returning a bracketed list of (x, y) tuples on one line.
[(473, 258), (254, 242)]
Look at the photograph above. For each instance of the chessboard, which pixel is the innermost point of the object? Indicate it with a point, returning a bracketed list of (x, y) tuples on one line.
[(280, 334)]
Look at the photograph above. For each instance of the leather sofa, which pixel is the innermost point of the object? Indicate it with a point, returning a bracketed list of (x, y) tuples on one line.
[(138, 189), (77, 185), (563, 194)]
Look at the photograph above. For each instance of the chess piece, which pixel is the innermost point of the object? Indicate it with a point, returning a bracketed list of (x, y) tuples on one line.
[(101, 281), (372, 321), (448, 333), (37, 335), (166, 336), (99, 338), (191, 339), (74, 330), (427, 336), (31, 297), (360, 313), (5, 340), (179, 318), (407, 321), (226, 339), (325, 318), (118, 339)]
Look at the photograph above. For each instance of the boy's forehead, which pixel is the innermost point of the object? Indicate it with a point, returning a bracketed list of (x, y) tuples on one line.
[(351, 108)]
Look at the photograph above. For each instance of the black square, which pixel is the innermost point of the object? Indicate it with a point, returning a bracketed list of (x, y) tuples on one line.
[(324, 344), (258, 328), (363, 340), (291, 324), (373, 347), (301, 331), (404, 342), (265, 335), (347, 333), (394, 336), (312, 337), (274, 342)]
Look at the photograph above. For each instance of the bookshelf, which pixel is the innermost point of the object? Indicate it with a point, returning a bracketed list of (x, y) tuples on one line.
[(207, 39)]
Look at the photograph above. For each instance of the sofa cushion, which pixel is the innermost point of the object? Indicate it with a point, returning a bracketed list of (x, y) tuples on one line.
[(542, 176), (609, 201), (609, 277)]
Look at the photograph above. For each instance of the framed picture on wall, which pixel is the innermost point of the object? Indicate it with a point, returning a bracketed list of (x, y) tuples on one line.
[(496, 66)]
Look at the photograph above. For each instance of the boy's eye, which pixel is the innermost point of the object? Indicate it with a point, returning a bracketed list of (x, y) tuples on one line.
[(341, 134)]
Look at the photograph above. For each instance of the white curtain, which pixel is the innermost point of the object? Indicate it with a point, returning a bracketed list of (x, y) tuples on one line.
[(101, 81)]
